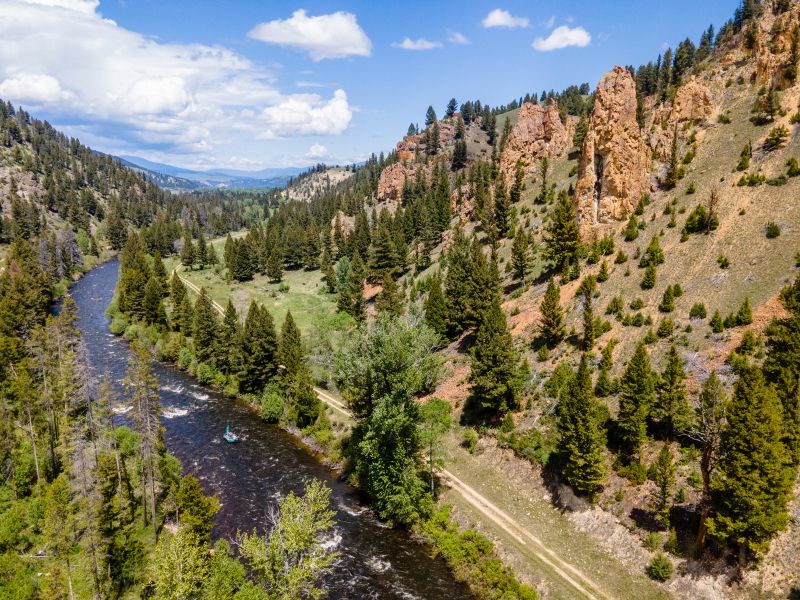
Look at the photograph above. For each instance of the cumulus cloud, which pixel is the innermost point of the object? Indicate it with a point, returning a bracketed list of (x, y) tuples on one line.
[(336, 35), (63, 56), (317, 151), (502, 18), (457, 38), (562, 37), (418, 44)]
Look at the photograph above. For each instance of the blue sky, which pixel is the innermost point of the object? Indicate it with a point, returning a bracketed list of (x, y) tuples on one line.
[(247, 84)]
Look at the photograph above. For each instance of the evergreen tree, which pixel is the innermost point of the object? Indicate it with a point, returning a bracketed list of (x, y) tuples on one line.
[(498, 373), (521, 255), (187, 252), (581, 439), (160, 272), (275, 264), (183, 315), (667, 300), (389, 300), (502, 208), (589, 332), (638, 395), (153, 306), (672, 407), (551, 324), (355, 290), (752, 484), (229, 342), (295, 377), (562, 239), (201, 253), (435, 309), (204, 327), (259, 350), (649, 279), (664, 477)]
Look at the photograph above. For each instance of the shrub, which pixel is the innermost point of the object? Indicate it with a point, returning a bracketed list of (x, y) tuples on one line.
[(665, 328), (635, 472), (691, 188), (470, 440), (620, 258), (653, 540), (185, 358), (272, 404), (637, 304), (744, 157), (723, 261), (773, 230), (649, 280), (632, 229), (672, 545), (698, 221), (660, 568), (776, 138), (724, 118), (615, 306), (793, 168), (717, 326), (751, 180), (698, 311)]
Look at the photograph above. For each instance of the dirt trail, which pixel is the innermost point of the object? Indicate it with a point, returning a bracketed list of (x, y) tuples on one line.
[(569, 573)]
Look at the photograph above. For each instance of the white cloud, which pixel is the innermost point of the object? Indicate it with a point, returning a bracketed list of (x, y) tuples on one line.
[(336, 35), (562, 37), (35, 89), (63, 56), (457, 38), (502, 18), (317, 151), (418, 44)]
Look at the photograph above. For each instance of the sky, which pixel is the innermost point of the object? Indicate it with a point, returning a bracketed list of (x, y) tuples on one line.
[(250, 84)]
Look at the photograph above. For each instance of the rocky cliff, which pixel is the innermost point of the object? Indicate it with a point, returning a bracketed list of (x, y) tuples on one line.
[(537, 133), (614, 169)]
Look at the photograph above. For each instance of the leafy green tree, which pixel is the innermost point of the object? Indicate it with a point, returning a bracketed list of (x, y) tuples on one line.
[(204, 328), (259, 350), (435, 422), (752, 483), (671, 406), (551, 324), (289, 563), (637, 397), (59, 525), (381, 373), (179, 567), (581, 439), (498, 372)]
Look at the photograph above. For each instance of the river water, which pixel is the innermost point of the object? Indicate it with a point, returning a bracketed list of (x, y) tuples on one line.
[(376, 562)]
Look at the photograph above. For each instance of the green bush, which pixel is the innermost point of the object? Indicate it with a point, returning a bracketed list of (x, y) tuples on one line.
[(185, 358), (660, 567), (635, 472), (652, 540), (672, 545), (207, 374), (773, 230), (473, 559), (470, 440), (272, 404), (698, 311)]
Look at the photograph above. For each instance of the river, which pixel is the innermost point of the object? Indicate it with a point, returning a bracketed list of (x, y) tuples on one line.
[(375, 561)]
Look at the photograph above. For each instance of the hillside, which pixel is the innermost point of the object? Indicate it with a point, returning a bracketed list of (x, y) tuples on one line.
[(659, 210)]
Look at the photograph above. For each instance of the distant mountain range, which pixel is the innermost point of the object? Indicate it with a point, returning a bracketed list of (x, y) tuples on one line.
[(179, 179)]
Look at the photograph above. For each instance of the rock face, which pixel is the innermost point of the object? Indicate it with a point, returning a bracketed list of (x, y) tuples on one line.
[(392, 180), (692, 102), (614, 169), (537, 133)]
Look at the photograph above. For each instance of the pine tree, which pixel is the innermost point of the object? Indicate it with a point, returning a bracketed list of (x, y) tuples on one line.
[(229, 342), (667, 300), (326, 266), (275, 263), (355, 289), (672, 407), (752, 484), (782, 365), (160, 272), (259, 350), (664, 477), (187, 252), (183, 315), (716, 323), (435, 308), (551, 325), (295, 377), (153, 306), (201, 254), (389, 300), (638, 395), (498, 373), (602, 275), (502, 208), (588, 321), (290, 348), (581, 439), (562, 238), (649, 279), (204, 327), (521, 255)]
